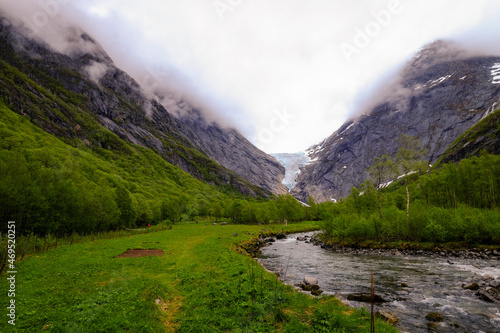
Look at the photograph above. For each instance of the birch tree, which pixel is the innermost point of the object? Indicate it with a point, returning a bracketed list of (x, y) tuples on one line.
[(382, 171), (409, 159)]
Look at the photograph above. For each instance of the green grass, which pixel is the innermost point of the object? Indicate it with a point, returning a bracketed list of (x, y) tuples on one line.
[(200, 284)]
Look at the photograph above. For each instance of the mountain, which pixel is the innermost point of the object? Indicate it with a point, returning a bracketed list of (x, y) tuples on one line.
[(94, 93), (232, 150), (437, 96), (484, 136)]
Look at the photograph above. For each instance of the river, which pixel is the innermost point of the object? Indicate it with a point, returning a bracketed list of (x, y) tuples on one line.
[(434, 284)]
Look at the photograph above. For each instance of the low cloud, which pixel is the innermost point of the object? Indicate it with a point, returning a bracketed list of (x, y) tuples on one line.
[(96, 70), (237, 64)]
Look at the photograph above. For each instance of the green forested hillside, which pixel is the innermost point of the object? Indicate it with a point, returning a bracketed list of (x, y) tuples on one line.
[(454, 203), (48, 186), (484, 136), (48, 88), (51, 187)]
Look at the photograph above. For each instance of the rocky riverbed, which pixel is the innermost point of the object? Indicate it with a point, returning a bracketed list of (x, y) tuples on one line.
[(438, 291)]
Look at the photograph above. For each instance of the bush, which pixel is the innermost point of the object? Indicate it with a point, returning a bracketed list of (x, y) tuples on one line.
[(394, 224), (360, 229)]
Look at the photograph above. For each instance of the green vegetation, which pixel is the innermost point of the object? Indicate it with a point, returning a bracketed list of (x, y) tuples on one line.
[(485, 135), (50, 187), (47, 186), (199, 284), (63, 103), (454, 203)]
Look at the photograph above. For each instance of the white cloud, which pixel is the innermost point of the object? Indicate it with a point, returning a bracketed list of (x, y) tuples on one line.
[(245, 59)]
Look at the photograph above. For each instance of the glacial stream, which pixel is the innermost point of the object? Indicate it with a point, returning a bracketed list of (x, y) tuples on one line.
[(434, 284)]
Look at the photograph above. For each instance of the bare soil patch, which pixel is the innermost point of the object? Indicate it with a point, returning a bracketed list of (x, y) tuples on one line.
[(140, 253)]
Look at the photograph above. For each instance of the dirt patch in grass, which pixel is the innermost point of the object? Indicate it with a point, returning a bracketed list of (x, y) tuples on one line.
[(140, 253)]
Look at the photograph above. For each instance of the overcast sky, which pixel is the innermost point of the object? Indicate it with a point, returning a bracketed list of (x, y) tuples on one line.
[(286, 73)]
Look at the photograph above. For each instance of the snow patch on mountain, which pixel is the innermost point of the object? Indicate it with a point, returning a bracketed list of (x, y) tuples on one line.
[(495, 72)]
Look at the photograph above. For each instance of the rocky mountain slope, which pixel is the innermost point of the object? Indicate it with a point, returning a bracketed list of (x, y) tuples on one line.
[(484, 136), (437, 96), (95, 90), (232, 150)]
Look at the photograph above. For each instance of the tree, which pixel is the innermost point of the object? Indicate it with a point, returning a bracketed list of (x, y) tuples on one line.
[(170, 210), (382, 170), (124, 203), (101, 209), (216, 210), (312, 210), (362, 200), (237, 209), (409, 159), (289, 208)]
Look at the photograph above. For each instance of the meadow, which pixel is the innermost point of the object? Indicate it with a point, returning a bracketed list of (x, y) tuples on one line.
[(202, 283)]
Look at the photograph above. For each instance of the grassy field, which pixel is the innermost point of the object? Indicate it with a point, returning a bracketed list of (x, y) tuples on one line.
[(200, 284)]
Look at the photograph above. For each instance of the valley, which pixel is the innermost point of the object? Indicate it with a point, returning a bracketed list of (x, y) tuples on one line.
[(133, 206)]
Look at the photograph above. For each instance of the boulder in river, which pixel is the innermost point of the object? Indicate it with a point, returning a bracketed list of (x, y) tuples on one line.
[(494, 283), (387, 316), (472, 286), (310, 287), (309, 280), (489, 295), (316, 292), (281, 236), (366, 298), (434, 316)]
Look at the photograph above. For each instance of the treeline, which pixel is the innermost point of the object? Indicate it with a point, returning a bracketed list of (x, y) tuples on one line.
[(51, 188), (457, 202)]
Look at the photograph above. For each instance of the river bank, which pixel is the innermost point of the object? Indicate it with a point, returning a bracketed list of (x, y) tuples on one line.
[(413, 284), (446, 250), (406, 249), (433, 250)]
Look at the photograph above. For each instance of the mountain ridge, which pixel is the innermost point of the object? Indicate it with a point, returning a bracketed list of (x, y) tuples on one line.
[(436, 98), (88, 80)]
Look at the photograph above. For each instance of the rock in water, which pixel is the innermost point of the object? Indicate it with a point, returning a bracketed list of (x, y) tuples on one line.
[(281, 236), (434, 316), (316, 292), (473, 286), (489, 295), (310, 281), (366, 298), (387, 316)]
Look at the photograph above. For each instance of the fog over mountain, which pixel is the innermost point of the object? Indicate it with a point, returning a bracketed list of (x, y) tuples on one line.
[(436, 97), (270, 69)]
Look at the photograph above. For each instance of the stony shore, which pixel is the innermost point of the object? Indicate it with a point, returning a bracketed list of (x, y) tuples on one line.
[(435, 252)]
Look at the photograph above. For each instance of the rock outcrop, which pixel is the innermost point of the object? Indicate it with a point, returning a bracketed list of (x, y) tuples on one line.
[(437, 96), (232, 150)]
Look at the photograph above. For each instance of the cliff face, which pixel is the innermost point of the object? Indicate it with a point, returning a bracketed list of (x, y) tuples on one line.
[(437, 96), (484, 136), (116, 101), (233, 151)]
